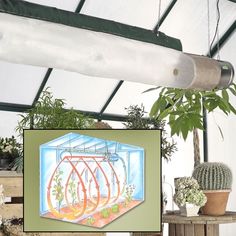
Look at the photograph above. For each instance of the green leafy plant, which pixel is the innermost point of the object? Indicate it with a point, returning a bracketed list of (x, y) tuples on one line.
[(115, 208), (9, 147), (90, 220), (213, 176), (50, 113), (17, 164), (72, 190), (105, 213), (188, 191), (183, 108), (10, 152), (136, 120), (57, 190), (129, 191)]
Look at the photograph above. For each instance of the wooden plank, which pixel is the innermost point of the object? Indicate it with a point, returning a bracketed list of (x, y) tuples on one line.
[(199, 230), (216, 230), (8, 173), (179, 229), (18, 230), (175, 218), (11, 210), (146, 234), (189, 230), (172, 230), (13, 186), (210, 230)]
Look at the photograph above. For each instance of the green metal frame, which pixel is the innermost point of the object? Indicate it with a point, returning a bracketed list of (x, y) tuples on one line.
[(114, 117), (116, 89), (111, 96), (212, 53), (166, 13), (42, 86), (13, 107), (49, 71)]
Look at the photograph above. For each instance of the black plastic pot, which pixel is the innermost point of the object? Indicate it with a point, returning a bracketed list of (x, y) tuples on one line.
[(5, 163)]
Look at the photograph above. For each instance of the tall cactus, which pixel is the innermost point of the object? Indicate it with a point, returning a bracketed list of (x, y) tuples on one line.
[(213, 176)]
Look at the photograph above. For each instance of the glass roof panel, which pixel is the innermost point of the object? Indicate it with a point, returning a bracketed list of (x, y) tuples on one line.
[(81, 92), (188, 22), (19, 83), (8, 123), (138, 13), (61, 4), (131, 94)]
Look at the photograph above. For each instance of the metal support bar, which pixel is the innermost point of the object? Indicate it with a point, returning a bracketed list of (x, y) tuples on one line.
[(111, 96), (223, 39), (13, 107), (80, 6), (212, 53), (45, 80), (121, 81), (49, 71), (165, 14), (105, 116)]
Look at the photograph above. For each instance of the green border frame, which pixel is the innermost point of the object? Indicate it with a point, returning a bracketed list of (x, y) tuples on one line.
[(145, 217)]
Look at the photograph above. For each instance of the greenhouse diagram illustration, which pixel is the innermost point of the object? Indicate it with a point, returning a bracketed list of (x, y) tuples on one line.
[(88, 180)]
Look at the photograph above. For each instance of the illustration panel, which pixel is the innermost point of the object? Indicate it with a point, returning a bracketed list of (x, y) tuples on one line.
[(88, 180)]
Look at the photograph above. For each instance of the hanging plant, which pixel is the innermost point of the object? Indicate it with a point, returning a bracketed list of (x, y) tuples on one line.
[(183, 108)]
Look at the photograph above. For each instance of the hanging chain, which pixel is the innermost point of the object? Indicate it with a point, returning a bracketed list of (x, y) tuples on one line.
[(159, 17)]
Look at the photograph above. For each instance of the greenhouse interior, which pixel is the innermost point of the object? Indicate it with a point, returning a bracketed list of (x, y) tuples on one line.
[(99, 64)]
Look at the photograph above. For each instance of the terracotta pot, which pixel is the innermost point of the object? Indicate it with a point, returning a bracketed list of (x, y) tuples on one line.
[(216, 202)]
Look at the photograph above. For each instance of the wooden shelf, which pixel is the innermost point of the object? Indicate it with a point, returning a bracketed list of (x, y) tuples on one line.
[(202, 225), (176, 218), (5, 174)]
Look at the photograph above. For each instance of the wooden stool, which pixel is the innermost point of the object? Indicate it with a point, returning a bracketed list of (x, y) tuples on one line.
[(201, 225)]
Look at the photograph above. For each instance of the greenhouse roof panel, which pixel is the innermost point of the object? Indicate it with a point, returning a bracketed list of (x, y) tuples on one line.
[(187, 20)]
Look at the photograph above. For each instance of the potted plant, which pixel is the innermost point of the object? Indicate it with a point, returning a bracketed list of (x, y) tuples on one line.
[(102, 125), (188, 196), (50, 113), (215, 179), (9, 150)]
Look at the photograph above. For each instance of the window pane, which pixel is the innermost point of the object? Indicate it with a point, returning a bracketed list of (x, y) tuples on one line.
[(19, 83), (81, 92), (188, 22)]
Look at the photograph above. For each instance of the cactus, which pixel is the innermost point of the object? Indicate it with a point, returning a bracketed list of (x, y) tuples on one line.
[(213, 176)]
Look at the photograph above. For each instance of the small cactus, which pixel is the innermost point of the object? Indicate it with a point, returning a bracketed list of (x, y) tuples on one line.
[(213, 176)]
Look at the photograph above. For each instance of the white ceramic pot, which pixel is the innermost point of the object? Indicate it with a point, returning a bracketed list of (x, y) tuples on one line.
[(189, 210)]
